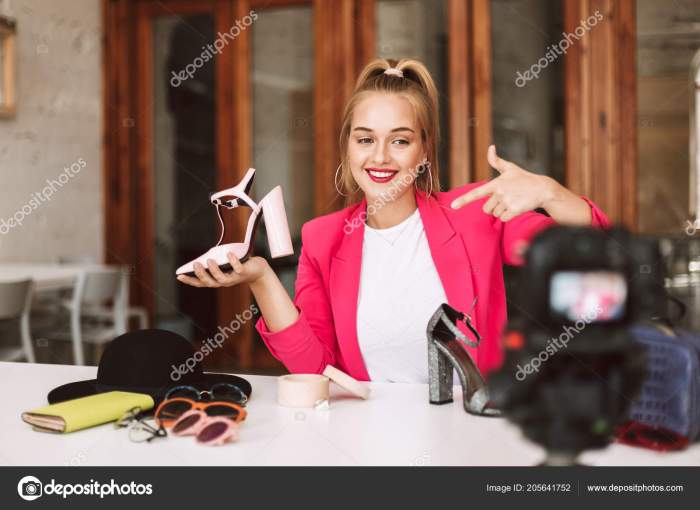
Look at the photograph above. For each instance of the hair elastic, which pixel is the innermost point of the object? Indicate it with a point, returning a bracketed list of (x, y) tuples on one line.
[(395, 71)]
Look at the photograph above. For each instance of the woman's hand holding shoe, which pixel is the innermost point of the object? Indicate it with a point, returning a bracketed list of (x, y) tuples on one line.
[(272, 298), (249, 271)]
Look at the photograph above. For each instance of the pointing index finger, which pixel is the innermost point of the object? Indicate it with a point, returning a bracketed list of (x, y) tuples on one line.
[(472, 195)]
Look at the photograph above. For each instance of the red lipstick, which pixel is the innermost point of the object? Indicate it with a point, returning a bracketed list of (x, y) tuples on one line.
[(381, 175)]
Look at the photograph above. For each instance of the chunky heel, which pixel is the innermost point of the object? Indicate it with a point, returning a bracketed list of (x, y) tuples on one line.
[(439, 375), (278, 238)]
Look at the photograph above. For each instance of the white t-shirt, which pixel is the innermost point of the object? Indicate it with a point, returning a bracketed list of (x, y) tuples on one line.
[(399, 291)]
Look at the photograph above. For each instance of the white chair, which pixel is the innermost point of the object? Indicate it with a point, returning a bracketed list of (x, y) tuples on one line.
[(100, 312), (136, 312), (15, 303), (48, 305), (93, 289)]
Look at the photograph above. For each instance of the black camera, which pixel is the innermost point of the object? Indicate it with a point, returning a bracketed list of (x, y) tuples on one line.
[(572, 270), (571, 367)]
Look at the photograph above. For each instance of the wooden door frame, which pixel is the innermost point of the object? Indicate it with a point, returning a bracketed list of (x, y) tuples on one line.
[(346, 29), (601, 107), (118, 122), (143, 116), (469, 88), (128, 120), (600, 101), (128, 179)]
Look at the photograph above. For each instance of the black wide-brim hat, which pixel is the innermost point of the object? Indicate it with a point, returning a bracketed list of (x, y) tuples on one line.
[(150, 361)]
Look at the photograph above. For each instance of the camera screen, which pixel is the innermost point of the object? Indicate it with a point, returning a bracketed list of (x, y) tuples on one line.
[(592, 296)]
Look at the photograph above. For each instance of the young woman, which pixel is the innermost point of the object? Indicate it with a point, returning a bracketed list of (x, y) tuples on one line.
[(371, 275)]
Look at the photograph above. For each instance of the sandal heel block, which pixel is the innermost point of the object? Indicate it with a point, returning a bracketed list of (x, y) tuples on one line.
[(278, 238), (439, 376)]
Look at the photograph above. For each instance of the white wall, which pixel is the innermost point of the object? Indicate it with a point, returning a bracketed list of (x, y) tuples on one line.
[(58, 124)]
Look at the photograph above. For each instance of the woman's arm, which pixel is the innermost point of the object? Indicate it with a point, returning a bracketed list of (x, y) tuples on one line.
[(309, 343), (514, 194), (299, 333), (275, 304), (564, 206), (516, 191)]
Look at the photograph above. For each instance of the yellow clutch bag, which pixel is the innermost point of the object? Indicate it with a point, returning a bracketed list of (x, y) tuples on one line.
[(85, 412)]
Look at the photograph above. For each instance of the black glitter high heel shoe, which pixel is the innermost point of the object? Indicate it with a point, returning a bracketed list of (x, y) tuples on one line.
[(445, 352)]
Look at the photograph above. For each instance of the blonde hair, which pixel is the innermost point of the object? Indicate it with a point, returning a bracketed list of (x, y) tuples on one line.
[(413, 83)]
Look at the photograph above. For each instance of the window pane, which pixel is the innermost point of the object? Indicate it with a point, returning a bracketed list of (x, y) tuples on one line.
[(282, 61), (183, 150), (528, 115), (667, 39)]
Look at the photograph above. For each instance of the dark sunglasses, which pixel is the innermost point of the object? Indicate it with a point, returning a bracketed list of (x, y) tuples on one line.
[(220, 391)]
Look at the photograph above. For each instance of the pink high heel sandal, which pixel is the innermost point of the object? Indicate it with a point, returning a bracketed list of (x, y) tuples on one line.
[(271, 207)]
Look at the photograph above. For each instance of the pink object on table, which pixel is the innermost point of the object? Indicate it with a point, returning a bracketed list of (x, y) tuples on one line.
[(196, 422), (468, 248)]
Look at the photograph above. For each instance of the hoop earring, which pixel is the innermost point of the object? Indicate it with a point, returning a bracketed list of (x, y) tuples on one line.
[(430, 178), (335, 181)]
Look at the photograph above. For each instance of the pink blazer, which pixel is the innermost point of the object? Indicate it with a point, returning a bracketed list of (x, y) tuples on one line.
[(468, 248)]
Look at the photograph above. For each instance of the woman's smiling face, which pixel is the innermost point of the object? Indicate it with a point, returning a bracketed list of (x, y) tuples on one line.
[(385, 146)]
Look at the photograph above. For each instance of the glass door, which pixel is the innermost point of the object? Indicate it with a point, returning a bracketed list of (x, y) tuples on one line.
[(177, 147), (184, 167), (213, 100)]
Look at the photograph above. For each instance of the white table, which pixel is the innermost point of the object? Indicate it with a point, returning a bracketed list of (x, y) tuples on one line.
[(46, 276), (396, 426)]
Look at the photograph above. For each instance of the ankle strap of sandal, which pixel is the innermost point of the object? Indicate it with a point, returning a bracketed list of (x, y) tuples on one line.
[(228, 204), (449, 322), (240, 192), (241, 199)]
